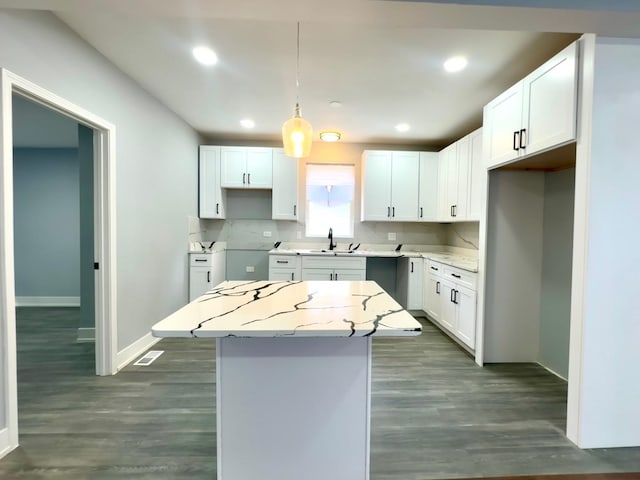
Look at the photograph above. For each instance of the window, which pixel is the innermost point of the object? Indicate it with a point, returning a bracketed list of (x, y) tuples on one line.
[(330, 192)]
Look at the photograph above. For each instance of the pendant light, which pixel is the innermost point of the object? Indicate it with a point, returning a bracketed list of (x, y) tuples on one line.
[(297, 132)]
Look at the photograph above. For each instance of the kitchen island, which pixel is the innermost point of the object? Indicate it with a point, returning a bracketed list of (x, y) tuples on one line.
[(293, 373)]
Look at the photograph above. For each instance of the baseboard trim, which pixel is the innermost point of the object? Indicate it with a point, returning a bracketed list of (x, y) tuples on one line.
[(86, 335), (551, 371), (47, 301), (137, 348), (5, 446)]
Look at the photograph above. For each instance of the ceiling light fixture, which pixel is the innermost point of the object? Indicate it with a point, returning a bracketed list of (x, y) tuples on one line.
[(297, 132), (455, 64), (330, 136), (205, 55), (403, 127), (247, 123)]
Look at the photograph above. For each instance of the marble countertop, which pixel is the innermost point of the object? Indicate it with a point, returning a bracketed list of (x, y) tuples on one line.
[(290, 309), (459, 261)]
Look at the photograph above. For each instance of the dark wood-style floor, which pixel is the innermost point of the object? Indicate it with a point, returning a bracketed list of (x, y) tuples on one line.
[(435, 414)]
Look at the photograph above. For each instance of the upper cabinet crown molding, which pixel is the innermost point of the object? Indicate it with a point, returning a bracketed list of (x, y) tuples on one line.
[(246, 167), (536, 114)]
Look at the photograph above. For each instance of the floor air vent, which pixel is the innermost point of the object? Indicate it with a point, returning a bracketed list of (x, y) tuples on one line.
[(149, 357)]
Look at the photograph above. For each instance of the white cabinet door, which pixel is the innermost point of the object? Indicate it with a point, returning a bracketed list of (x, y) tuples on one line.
[(549, 109), (477, 181), (210, 195), (199, 281), (283, 274), (433, 297), (448, 310), (259, 168), (376, 186), (502, 120), (349, 275), (233, 167), (416, 274), (460, 202), (317, 274), (284, 200), (428, 189), (405, 172), (465, 299), (447, 186)]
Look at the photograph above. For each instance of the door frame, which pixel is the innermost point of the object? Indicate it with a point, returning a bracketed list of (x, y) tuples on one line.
[(104, 138)]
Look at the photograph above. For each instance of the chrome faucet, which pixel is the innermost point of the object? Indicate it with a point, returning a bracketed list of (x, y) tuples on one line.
[(331, 244)]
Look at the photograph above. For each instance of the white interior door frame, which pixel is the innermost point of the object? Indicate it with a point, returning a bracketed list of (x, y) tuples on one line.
[(104, 244)]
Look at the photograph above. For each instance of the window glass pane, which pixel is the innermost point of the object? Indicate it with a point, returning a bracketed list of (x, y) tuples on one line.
[(330, 191)]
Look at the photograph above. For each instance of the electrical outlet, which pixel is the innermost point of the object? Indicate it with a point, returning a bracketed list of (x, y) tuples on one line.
[(266, 234), (391, 236), (299, 235), (250, 269)]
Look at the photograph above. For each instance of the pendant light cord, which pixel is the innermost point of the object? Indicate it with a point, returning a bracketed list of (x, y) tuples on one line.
[(298, 67)]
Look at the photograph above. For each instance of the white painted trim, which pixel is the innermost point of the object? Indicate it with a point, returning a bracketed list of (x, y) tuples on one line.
[(105, 237), (5, 446), (137, 348), (86, 335), (47, 301), (553, 371)]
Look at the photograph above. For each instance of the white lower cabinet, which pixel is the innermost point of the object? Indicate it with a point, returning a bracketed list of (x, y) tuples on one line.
[(409, 289), (206, 270), (284, 267), (450, 300), (334, 268)]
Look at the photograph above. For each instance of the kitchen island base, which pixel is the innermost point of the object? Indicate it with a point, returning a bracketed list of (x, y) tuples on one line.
[(293, 408)]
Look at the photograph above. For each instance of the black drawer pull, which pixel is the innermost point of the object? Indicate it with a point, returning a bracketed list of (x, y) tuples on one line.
[(456, 275), (282, 261), (201, 259), (433, 268)]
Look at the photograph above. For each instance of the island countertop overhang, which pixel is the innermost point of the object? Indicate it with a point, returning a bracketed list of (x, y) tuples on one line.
[(270, 309)]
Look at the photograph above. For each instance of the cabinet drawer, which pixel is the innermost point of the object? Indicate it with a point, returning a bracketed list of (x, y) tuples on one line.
[(200, 259), (461, 277), (435, 268), (334, 262), (283, 261)]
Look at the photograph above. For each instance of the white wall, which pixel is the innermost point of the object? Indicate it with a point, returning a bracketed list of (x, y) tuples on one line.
[(604, 378), (156, 162), (557, 255), (513, 266)]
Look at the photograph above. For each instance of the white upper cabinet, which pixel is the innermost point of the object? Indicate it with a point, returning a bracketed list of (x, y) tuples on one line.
[(246, 167), (477, 177), (428, 189), (210, 195), (536, 114), (284, 200), (390, 186)]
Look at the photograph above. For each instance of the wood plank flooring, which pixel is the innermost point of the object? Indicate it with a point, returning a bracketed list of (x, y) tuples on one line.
[(435, 414)]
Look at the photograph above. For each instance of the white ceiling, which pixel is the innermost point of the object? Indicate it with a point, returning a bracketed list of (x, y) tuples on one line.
[(381, 59)]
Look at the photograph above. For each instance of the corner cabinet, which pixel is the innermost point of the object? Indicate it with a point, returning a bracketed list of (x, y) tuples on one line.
[(211, 197), (246, 167), (390, 182), (284, 200), (536, 114)]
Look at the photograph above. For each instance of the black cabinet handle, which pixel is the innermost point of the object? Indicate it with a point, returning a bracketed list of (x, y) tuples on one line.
[(336, 275), (455, 296), (453, 292), (243, 177), (438, 288), (248, 178), (331, 276), (451, 211), (217, 208), (420, 212), (282, 261), (208, 277), (455, 275), (292, 276), (388, 211), (523, 138), (516, 141), (294, 209), (393, 209), (411, 267), (433, 268), (455, 210), (201, 259)]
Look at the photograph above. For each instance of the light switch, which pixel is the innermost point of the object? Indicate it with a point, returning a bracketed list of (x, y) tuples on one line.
[(391, 236), (251, 269), (266, 234)]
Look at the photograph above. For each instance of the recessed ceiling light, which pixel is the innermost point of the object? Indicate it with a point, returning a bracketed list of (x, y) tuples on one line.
[(247, 123), (330, 136), (455, 64), (205, 55), (335, 104), (403, 127)]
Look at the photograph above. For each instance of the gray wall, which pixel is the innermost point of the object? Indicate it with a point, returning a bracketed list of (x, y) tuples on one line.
[(46, 222), (156, 155), (87, 273), (557, 255)]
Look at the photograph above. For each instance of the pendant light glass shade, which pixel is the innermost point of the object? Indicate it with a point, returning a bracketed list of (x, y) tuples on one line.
[(297, 132), (296, 136)]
